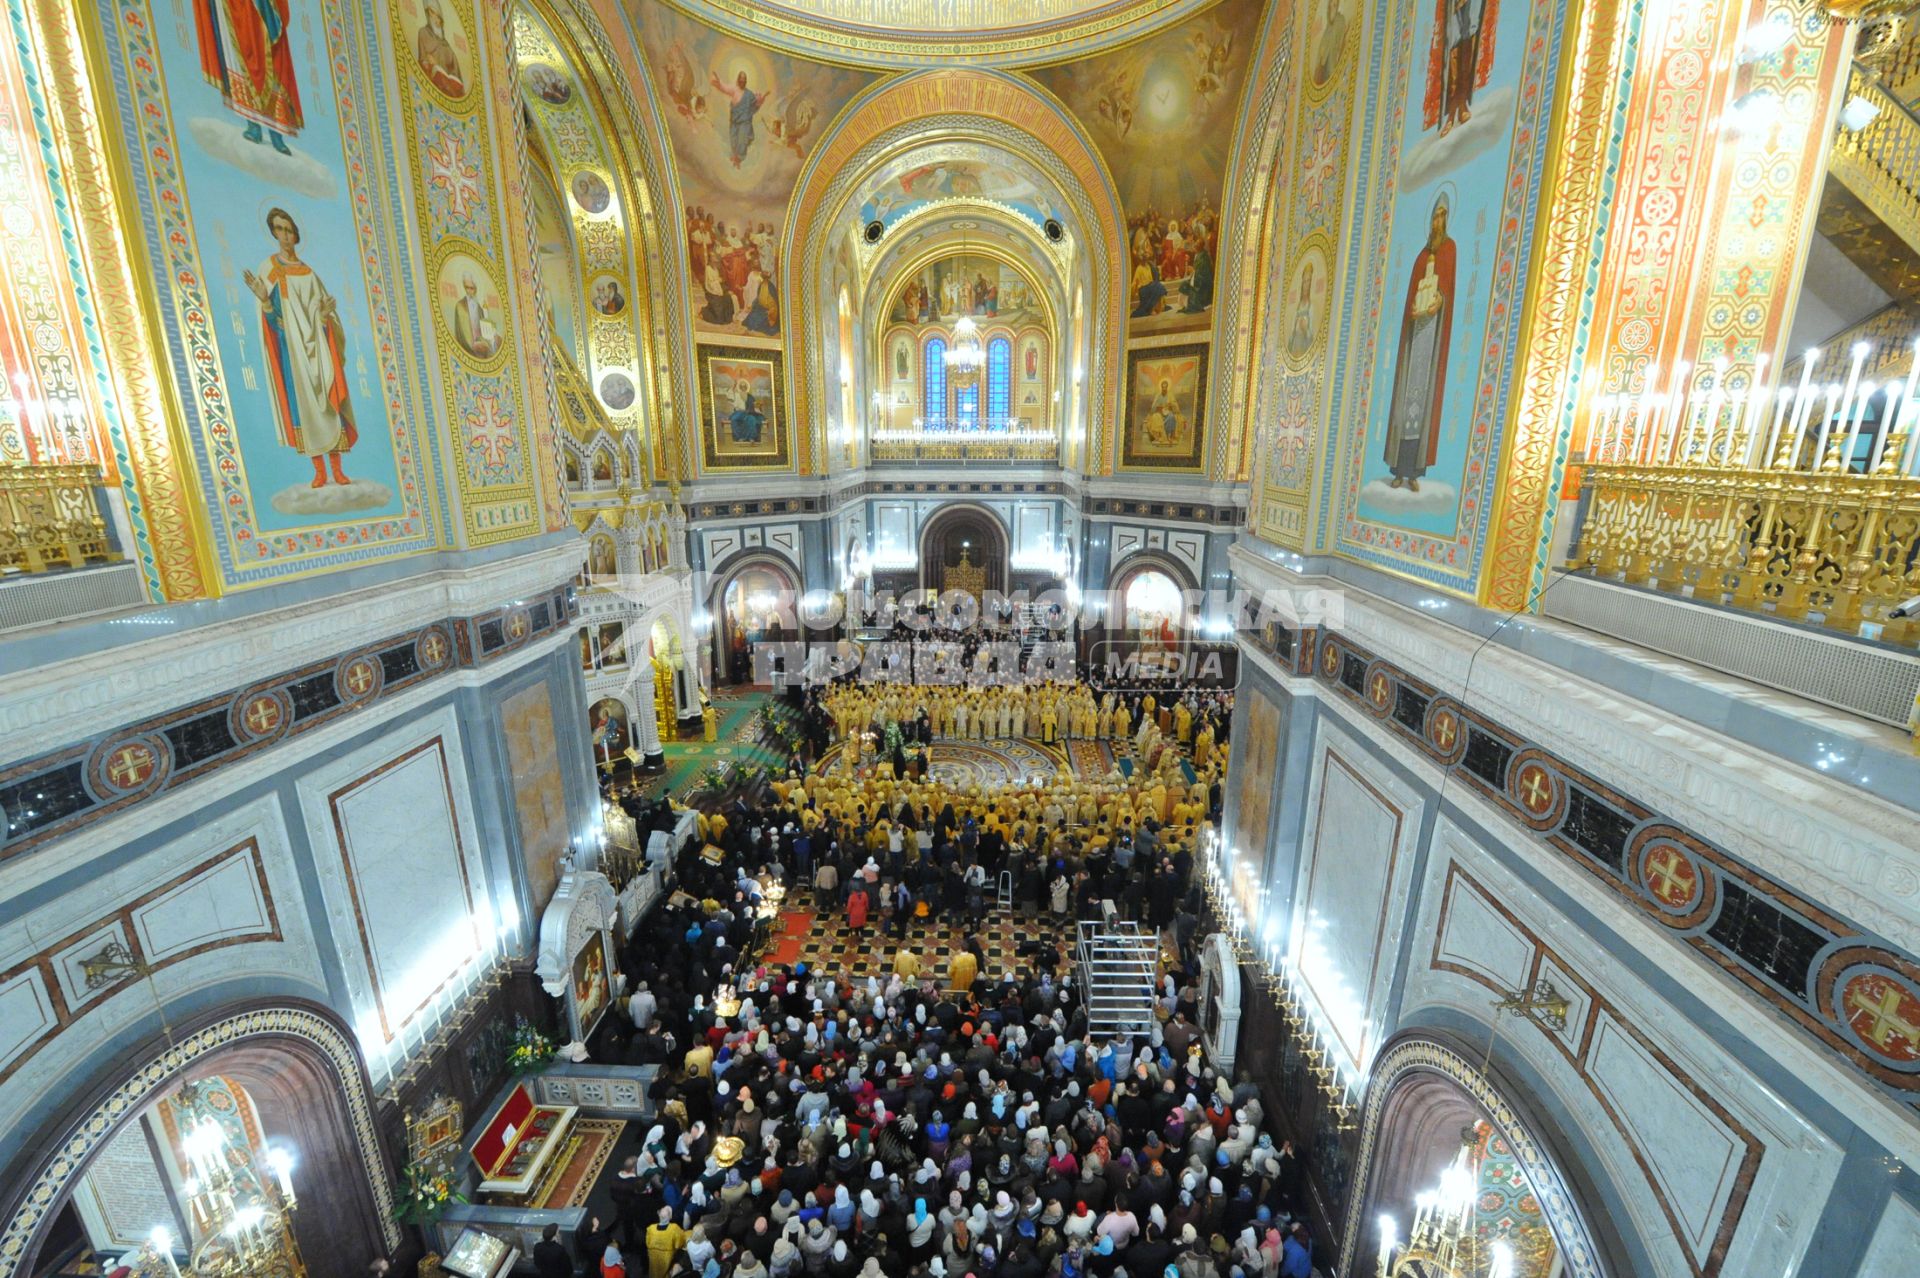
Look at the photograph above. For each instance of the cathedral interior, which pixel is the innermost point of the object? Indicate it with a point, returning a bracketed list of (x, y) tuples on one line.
[(943, 638)]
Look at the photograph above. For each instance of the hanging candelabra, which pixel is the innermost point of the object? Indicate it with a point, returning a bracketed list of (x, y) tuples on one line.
[(243, 1221), (1235, 903), (967, 357), (1443, 1242)]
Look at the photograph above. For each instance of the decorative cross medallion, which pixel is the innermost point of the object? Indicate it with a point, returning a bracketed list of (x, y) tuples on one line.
[(263, 714), (1535, 786), (1671, 877), (131, 765), (1885, 1013), (360, 677)]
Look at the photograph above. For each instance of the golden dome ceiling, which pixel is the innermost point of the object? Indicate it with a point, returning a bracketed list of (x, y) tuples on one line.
[(898, 33)]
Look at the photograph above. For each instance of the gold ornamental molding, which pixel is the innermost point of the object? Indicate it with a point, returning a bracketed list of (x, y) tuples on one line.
[(1880, 163), (1011, 112), (918, 33), (1556, 303), (171, 528)]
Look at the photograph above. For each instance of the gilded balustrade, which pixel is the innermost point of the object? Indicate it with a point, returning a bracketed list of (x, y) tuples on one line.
[(50, 518), (1827, 543), (983, 446)]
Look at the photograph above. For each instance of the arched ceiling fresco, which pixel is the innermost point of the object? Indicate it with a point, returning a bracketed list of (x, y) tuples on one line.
[(957, 171)]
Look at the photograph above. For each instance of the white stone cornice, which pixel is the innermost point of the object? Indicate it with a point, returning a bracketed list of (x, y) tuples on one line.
[(206, 793), (1866, 1105), (69, 700), (1850, 851)]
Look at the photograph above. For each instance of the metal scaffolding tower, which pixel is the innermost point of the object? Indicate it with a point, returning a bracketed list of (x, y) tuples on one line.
[(1116, 962)]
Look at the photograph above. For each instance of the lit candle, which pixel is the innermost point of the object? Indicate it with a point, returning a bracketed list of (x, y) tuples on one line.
[(1736, 402), (1757, 396), (1802, 405), (1676, 400), (1860, 352), (1622, 411), (1826, 424), (1709, 423), (1890, 414), (1860, 402), (1643, 414), (1782, 399)]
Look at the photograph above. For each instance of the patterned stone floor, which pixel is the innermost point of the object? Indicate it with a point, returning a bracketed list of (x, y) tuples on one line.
[(825, 941)]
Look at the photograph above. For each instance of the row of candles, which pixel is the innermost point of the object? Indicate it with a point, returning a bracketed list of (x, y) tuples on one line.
[(1767, 426), (53, 431), (1278, 974)]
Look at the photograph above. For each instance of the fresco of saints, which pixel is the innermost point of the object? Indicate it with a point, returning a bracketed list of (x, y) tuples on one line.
[(438, 62), (1459, 61), (1163, 415), (1333, 38), (1420, 372), (746, 422), (746, 105), (244, 53), (1301, 340), (306, 353)]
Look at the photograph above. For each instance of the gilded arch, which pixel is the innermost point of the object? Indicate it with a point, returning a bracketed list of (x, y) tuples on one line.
[(639, 339), (1003, 110)]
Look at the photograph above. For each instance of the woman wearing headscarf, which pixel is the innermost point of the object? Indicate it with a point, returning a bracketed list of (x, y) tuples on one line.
[(815, 1245), (840, 1213), (612, 1264), (922, 1232), (785, 1260)]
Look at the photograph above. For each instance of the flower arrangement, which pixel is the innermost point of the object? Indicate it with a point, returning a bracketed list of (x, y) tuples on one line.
[(531, 1050), (425, 1194)]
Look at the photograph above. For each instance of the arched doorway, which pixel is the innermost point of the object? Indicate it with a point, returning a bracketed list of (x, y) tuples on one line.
[(1149, 611), (754, 603), (959, 538), (668, 651), (1437, 1138), (611, 728), (286, 1078)]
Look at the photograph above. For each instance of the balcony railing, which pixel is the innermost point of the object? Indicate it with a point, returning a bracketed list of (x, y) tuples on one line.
[(1799, 503), (1879, 162), (50, 519), (963, 440)]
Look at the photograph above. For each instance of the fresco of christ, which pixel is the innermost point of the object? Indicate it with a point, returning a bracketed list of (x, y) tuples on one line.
[(1420, 372), (1459, 61), (746, 105), (245, 53)]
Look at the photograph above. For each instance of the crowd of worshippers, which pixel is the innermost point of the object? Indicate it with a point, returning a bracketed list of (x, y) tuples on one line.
[(1195, 718), (807, 1123)]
